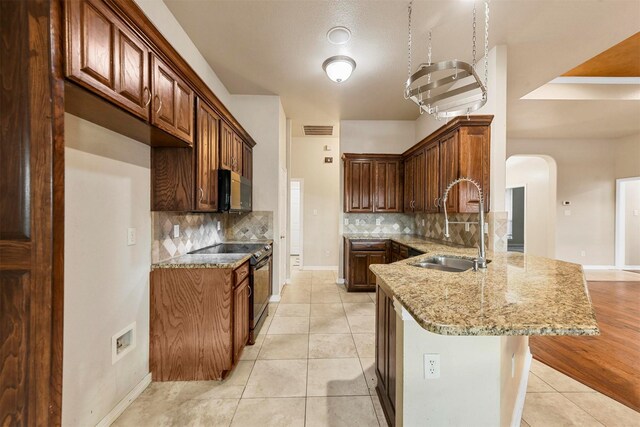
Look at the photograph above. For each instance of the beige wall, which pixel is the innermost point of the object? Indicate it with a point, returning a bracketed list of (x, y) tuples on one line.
[(632, 223), (538, 175), (321, 198), (586, 173), (106, 281)]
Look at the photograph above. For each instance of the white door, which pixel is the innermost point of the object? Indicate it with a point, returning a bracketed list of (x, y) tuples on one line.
[(282, 207), (296, 217)]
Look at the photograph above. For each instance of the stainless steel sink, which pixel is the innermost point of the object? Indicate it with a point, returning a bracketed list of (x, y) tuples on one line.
[(445, 263)]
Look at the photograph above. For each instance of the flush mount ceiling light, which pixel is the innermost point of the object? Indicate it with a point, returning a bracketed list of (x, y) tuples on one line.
[(456, 89), (339, 68), (339, 35)]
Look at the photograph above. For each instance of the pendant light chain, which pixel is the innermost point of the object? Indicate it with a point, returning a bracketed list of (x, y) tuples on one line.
[(409, 59), (473, 39), (486, 45)]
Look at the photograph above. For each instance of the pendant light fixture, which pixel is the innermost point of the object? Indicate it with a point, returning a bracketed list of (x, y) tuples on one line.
[(449, 88), (339, 68)]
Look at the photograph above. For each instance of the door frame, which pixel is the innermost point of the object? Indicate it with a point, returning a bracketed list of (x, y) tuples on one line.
[(524, 232), (620, 224), (301, 255)]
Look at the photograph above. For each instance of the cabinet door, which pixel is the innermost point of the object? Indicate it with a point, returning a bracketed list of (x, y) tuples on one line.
[(382, 337), (207, 158), (358, 186), (391, 354), (386, 354), (408, 184), (419, 181), (172, 102), (473, 159), (374, 258), (240, 318), (226, 147), (449, 169), (359, 270), (387, 186), (247, 161), (104, 56), (433, 177), (238, 152)]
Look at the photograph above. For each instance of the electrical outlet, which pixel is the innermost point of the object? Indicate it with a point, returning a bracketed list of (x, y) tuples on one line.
[(378, 221), (131, 236), (583, 253), (218, 226), (346, 221), (176, 231), (431, 366), (467, 226), (357, 222), (567, 212), (423, 222)]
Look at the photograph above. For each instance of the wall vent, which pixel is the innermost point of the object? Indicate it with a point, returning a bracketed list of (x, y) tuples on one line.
[(318, 130)]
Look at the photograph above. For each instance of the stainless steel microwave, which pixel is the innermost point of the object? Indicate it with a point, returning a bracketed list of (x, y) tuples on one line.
[(234, 192)]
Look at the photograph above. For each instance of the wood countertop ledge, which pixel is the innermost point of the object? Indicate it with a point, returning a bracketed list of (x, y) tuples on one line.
[(516, 294)]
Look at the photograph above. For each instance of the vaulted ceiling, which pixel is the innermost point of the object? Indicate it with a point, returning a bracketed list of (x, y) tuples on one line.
[(278, 46)]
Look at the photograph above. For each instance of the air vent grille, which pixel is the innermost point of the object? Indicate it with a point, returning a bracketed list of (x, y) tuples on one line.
[(318, 130)]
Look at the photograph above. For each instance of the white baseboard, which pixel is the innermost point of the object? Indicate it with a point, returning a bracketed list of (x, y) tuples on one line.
[(320, 267), (275, 298), (522, 392), (340, 281), (124, 403), (631, 267), (599, 267)]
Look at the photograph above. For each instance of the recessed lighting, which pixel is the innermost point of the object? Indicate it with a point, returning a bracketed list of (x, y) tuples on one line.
[(339, 68), (339, 35)]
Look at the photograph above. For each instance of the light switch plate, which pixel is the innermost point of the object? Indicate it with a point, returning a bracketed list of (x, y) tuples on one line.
[(176, 231), (131, 236)]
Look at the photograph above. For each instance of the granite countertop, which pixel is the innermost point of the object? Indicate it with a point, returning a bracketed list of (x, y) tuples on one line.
[(516, 294), (209, 260)]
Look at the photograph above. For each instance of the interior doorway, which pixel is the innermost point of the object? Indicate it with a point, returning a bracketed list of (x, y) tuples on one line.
[(515, 207), (296, 234), (627, 250)]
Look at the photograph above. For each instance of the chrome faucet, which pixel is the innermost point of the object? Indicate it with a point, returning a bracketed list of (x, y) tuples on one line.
[(482, 259)]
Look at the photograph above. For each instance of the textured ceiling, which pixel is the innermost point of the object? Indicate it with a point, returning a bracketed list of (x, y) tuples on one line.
[(277, 47)]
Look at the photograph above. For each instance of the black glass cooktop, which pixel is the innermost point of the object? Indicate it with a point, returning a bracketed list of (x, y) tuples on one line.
[(231, 248)]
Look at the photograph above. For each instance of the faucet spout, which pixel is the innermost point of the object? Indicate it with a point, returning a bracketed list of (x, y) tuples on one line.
[(482, 257)]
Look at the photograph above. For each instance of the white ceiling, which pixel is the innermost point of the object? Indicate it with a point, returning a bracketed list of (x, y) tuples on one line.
[(277, 47)]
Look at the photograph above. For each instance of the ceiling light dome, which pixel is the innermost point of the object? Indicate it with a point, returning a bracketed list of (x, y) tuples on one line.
[(339, 68)]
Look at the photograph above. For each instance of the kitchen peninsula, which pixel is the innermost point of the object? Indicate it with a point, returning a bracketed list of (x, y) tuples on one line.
[(452, 347)]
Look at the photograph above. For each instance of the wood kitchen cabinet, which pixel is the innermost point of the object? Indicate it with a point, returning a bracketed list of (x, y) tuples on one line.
[(247, 161), (414, 182), (105, 56), (432, 155), (372, 183), (399, 252), (226, 147), (385, 351), (238, 151), (202, 340), (207, 158), (358, 256), (172, 103)]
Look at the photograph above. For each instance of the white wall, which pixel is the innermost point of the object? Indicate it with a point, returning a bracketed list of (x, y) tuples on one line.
[(496, 105), (106, 282), (321, 202), (586, 173), (262, 116), (632, 223), (538, 175)]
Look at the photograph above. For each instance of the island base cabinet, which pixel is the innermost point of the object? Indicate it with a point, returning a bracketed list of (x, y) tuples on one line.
[(191, 324), (386, 354)]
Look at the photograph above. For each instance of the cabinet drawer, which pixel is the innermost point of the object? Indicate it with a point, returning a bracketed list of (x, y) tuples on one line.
[(395, 248), (367, 245), (241, 273)]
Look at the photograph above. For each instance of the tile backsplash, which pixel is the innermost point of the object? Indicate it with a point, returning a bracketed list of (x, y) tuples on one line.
[(379, 223), (198, 230)]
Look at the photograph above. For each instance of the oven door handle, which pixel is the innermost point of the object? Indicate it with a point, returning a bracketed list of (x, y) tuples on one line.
[(262, 263)]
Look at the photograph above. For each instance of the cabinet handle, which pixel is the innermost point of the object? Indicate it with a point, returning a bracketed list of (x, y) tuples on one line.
[(249, 296), (435, 202), (201, 194), (159, 104), (148, 93)]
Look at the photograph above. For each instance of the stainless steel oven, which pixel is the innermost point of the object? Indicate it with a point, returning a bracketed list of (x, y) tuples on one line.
[(260, 282)]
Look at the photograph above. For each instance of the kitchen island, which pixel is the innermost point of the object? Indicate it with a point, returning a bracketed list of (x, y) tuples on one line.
[(468, 332)]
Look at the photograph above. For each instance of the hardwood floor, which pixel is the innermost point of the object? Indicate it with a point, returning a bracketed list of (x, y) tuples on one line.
[(609, 363)]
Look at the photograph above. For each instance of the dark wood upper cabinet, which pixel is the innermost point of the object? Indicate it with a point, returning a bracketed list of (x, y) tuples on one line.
[(387, 186), (238, 151), (473, 162), (226, 147), (358, 185), (172, 102), (449, 170), (373, 183), (105, 56), (208, 124), (414, 182), (247, 161), (432, 153)]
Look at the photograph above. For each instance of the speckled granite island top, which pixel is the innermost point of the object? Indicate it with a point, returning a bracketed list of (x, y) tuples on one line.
[(516, 294), (209, 260)]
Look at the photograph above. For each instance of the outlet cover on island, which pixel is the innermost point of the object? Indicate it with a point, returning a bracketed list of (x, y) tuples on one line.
[(176, 231), (431, 366)]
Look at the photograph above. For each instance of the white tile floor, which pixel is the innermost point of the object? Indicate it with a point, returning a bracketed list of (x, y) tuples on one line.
[(313, 365)]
